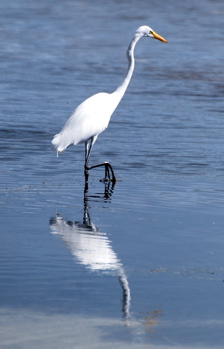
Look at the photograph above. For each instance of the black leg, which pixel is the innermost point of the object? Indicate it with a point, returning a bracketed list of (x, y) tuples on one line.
[(86, 173), (109, 173), (110, 170)]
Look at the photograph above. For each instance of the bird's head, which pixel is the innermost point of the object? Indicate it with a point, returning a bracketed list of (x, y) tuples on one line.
[(148, 32)]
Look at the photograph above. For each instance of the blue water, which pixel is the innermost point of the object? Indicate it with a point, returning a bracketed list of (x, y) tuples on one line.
[(140, 264)]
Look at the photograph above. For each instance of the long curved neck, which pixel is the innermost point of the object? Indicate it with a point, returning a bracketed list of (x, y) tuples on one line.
[(131, 64)]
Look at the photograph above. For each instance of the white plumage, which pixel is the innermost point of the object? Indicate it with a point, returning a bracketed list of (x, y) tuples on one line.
[(88, 120), (92, 116)]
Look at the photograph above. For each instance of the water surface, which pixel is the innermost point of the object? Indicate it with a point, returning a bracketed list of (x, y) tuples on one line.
[(139, 264)]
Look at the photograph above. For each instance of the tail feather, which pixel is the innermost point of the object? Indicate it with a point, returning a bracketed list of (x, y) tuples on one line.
[(62, 141), (56, 143)]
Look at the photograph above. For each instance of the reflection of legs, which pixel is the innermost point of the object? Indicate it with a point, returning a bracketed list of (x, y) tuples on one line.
[(108, 191), (109, 173)]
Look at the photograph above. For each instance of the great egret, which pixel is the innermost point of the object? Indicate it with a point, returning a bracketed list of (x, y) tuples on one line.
[(92, 116)]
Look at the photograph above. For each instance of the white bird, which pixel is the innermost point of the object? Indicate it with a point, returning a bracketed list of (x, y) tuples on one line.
[(92, 116)]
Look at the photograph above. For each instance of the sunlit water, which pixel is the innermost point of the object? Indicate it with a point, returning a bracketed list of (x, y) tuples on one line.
[(140, 264)]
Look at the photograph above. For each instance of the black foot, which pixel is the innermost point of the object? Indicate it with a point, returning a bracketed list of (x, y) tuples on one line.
[(109, 173)]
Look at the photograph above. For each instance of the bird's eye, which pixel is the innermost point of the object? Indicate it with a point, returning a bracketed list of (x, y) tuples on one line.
[(151, 32)]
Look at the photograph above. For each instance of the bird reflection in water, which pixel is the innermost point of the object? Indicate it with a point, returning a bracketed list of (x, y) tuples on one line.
[(92, 248)]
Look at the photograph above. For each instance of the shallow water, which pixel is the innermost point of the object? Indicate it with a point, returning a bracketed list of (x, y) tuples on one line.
[(139, 264)]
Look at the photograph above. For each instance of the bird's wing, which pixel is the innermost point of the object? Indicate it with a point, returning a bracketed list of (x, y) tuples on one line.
[(89, 119)]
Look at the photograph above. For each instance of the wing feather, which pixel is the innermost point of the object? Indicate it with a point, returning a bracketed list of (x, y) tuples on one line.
[(89, 119)]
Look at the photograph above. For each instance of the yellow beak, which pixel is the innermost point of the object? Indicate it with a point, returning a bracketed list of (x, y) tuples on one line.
[(158, 37)]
